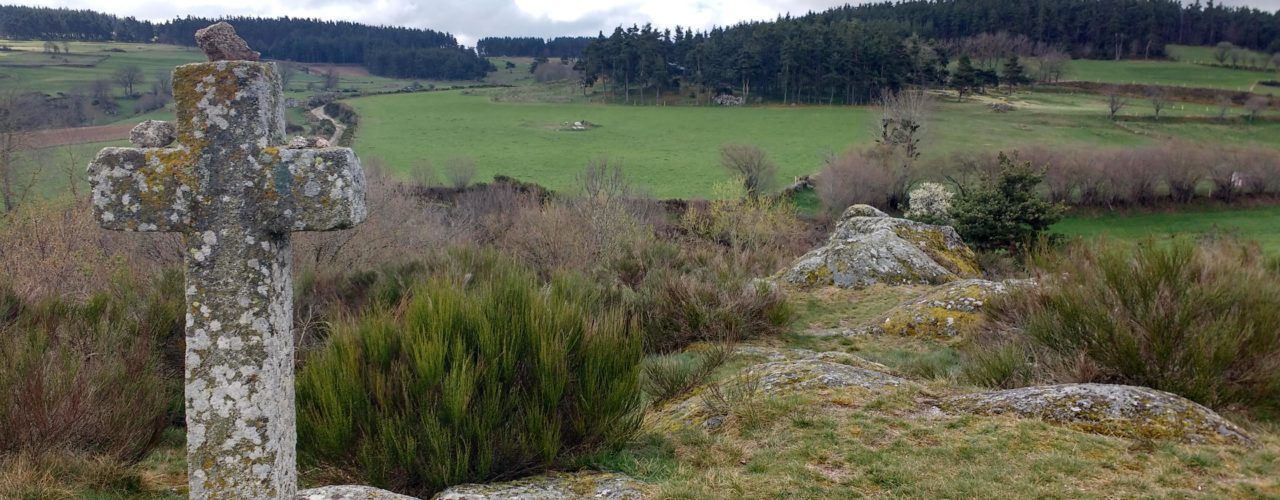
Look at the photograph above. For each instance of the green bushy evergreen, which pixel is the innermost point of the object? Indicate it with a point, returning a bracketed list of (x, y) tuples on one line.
[(471, 377)]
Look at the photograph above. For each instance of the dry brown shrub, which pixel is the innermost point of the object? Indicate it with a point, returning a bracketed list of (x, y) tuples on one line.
[(400, 224), (866, 177), (57, 249)]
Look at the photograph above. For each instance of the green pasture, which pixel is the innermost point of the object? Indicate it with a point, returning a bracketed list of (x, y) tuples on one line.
[(1198, 54), (1171, 73), (1255, 224), (673, 151)]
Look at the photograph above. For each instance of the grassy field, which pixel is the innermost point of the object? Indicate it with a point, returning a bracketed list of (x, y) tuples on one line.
[(1255, 224), (673, 151), (1183, 74)]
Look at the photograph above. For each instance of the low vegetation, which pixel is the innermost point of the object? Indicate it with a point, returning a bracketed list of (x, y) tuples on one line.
[(470, 380), (1199, 321)]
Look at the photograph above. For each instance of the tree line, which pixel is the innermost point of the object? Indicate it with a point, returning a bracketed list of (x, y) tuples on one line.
[(385, 50), (1087, 28), (564, 47), (796, 60)]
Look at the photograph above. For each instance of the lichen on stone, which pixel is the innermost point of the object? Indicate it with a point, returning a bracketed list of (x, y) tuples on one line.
[(1114, 410), (865, 250)]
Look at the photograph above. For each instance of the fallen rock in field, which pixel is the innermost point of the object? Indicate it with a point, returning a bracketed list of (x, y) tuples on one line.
[(947, 312), (867, 248), (153, 134), (350, 492), (581, 485), (787, 354), (1115, 410)]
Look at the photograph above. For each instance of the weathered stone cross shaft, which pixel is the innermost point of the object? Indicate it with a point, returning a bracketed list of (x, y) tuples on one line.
[(235, 195)]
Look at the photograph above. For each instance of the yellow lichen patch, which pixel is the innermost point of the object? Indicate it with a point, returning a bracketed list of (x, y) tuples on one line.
[(959, 259)]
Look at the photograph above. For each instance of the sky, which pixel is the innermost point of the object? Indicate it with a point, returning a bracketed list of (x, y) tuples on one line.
[(470, 20)]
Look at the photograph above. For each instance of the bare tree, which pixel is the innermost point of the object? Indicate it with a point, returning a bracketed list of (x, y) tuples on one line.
[(1224, 105), (12, 144), (1222, 51), (1158, 100), (287, 71), (331, 79), (750, 163), (1115, 102), (1255, 105), (459, 172), (66, 47), (162, 84), (128, 77)]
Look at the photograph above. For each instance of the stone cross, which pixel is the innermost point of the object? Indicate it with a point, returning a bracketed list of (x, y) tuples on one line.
[(235, 194)]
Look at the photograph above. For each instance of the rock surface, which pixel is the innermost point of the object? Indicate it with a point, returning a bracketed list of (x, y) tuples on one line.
[(948, 312), (866, 249), (1116, 410), (780, 376), (350, 492), (770, 354), (220, 42), (153, 134), (582, 485)]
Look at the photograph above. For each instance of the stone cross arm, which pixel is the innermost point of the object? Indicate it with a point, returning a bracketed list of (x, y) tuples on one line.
[(156, 189)]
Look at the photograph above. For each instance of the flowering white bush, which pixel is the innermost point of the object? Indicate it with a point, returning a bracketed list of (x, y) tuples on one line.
[(930, 203)]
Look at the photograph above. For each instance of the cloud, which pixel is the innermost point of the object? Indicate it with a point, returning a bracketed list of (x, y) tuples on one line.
[(471, 20)]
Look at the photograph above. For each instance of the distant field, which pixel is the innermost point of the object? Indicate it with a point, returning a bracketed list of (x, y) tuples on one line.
[(673, 151), (1172, 73), (1256, 224)]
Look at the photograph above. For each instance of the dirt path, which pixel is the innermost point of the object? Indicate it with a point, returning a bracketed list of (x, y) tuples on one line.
[(41, 139), (338, 127)]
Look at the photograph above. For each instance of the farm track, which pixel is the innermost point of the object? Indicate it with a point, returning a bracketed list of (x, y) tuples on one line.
[(42, 139)]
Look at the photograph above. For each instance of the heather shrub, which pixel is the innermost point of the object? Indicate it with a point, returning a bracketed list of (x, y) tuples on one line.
[(470, 380), (930, 203), (90, 377), (677, 309), (665, 376), (1199, 321)]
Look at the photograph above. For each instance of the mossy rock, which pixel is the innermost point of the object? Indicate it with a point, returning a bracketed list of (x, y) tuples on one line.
[(1114, 410), (950, 311), (770, 380), (349, 492), (559, 486), (772, 354), (779, 377), (866, 250)]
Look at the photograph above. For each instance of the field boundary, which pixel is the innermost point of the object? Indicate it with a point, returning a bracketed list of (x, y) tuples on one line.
[(1198, 95)]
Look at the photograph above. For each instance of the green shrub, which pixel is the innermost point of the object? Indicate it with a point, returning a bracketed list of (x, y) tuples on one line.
[(676, 310), (1006, 212), (1199, 321), (665, 376), (470, 380), (90, 377)]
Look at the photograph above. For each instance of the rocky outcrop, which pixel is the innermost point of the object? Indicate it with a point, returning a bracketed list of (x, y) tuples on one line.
[(582, 485), (868, 247), (782, 376), (153, 134), (794, 370), (770, 354), (1116, 410), (947, 312), (350, 492)]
